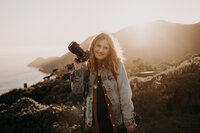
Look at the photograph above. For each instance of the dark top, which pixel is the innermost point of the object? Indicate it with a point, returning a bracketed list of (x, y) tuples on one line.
[(104, 122)]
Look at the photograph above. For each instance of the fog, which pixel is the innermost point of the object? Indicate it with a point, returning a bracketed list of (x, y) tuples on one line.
[(32, 29), (14, 71)]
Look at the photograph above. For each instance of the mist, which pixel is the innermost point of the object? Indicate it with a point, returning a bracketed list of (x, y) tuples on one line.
[(14, 70)]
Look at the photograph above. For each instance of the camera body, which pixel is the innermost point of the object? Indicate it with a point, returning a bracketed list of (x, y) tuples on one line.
[(82, 55)]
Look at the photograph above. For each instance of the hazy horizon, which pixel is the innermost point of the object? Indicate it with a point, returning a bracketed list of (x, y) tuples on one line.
[(34, 28), (48, 25)]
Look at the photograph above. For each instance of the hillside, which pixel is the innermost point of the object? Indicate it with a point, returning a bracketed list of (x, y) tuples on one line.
[(168, 101), (155, 42)]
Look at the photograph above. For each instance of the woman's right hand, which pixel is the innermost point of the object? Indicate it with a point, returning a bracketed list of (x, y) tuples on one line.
[(77, 65)]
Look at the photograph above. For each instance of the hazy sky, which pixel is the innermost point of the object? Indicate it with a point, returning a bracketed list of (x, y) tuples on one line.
[(46, 27)]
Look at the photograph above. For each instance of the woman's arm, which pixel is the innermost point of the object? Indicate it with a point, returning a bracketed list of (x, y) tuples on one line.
[(77, 81), (125, 93)]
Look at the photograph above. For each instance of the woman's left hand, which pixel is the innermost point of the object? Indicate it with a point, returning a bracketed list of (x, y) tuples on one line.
[(131, 127)]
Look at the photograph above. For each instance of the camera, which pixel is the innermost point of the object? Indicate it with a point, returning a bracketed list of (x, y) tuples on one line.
[(82, 55)]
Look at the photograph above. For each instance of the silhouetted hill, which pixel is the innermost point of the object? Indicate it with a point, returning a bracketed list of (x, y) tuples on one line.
[(155, 42), (168, 102), (159, 41), (47, 65), (39, 62)]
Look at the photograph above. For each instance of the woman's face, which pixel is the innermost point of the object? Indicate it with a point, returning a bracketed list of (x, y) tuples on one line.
[(101, 49)]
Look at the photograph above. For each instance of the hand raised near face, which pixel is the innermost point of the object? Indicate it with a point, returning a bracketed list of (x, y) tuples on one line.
[(77, 65)]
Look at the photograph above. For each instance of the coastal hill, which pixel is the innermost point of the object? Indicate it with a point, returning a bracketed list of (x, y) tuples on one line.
[(42, 61), (167, 102), (156, 42)]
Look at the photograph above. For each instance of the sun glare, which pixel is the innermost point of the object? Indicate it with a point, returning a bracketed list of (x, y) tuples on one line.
[(141, 26), (141, 36), (143, 16)]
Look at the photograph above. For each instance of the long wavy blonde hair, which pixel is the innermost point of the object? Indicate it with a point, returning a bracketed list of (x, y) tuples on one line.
[(111, 61)]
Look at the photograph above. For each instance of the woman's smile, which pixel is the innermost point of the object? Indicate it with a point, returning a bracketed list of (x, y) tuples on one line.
[(100, 54), (101, 49), (100, 110)]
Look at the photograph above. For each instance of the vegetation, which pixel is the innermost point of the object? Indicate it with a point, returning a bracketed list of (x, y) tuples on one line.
[(168, 101)]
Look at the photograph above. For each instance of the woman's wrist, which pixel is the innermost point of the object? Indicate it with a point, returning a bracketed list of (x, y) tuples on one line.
[(78, 67), (131, 127)]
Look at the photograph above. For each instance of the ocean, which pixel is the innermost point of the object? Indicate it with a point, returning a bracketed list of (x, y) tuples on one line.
[(14, 71), (15, 79)]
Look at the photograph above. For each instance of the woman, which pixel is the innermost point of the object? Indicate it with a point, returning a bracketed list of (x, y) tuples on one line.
[(109, 107)]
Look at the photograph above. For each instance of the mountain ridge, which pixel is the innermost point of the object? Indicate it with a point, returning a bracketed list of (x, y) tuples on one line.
[(155, 42)]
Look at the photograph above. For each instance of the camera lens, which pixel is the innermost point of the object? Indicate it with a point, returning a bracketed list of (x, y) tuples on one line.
[(75, 49)]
